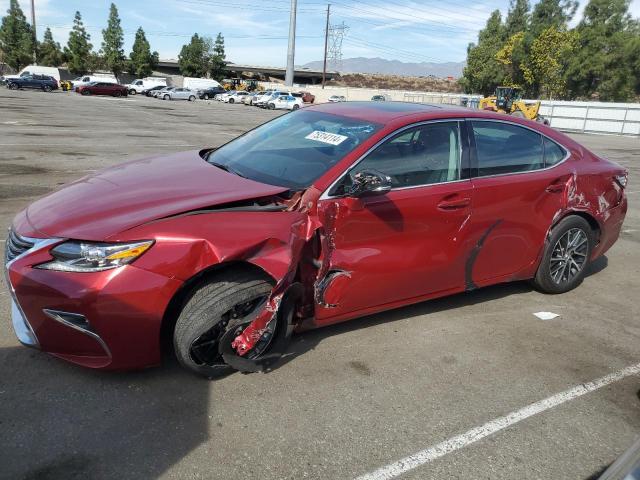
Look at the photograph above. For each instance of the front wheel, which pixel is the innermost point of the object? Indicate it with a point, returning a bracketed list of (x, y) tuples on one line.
[(566, 256), (215, 305), (117, 94), (46, 88), (13, 86), (166, 97), (272, 106), (205, 97), (231, 100), (192, 98), (132, 92), (85, 92), (296, 107)]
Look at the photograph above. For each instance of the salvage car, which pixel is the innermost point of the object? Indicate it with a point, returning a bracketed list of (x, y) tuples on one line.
[(180, 94), (103, 88), (37, 82), (319, 216), (285, 102)]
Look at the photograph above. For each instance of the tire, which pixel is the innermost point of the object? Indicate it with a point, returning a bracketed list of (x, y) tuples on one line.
[(231, 100), (85, 92), (562, 269), (117, 94), (296, 107), (207, 312), (205, 96), (46, 88), (192, 98), (13, 86), (132, 92), (272, 106), (166, 97)]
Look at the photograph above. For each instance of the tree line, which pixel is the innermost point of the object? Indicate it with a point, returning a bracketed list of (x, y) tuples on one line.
[(537, 51), (200, 57)]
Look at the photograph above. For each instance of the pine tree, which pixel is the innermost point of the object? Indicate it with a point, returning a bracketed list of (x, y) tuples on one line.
[(551, 13), (78, 49), (141, 60), (483, 73), (113, 41), (218, 63), (518, 17), (49, 52), (16, 37), (600, 67), (195, 57)]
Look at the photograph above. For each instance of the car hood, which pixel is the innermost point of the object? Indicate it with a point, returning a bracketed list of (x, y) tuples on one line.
[(133, 193)]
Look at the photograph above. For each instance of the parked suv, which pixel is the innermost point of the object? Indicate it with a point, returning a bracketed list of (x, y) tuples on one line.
[(211, 92), (38, 82)]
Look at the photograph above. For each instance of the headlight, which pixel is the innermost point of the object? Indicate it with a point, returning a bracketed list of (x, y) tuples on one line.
[(93, 257)]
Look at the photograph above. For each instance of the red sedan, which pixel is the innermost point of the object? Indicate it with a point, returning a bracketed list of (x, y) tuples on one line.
[(319, 216), (103, 88)]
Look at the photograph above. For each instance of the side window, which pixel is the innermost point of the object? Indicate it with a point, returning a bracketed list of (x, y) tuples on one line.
[(553, 153), (420, 156), (505, 148)]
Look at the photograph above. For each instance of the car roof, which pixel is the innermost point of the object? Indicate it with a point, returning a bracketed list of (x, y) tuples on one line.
[(385, 112)]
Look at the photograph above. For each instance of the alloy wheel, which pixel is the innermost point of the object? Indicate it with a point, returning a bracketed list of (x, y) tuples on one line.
[(569, 256)]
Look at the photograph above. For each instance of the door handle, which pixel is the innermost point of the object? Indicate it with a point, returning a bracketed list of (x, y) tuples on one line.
[(454, 204)]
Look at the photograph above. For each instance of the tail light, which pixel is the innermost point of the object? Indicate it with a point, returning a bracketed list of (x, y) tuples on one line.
[(621, 179)]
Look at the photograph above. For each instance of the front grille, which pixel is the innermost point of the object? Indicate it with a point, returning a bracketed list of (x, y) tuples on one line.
[(16, 245)]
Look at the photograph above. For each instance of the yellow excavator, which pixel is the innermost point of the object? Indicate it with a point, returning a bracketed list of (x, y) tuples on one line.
[(509, 100)]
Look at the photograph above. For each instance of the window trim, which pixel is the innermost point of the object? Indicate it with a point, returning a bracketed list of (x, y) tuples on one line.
[(463, 146), (475, 164)]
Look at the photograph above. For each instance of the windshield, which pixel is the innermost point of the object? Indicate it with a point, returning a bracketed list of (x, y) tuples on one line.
[(294, 150)]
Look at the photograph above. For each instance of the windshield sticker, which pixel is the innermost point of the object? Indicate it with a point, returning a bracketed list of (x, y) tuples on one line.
[(325, 137)]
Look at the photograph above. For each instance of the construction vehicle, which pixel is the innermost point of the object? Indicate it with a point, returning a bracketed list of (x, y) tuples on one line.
[(509, 100), (240, 84)]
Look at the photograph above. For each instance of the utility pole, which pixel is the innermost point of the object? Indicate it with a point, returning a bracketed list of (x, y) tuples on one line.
[(326, 45), (288, 79), (33, 27)]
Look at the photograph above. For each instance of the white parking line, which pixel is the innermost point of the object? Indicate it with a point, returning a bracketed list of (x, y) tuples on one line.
[(459, 441)]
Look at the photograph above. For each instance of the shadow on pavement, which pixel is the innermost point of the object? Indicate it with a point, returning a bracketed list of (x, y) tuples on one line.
[(65, 422)]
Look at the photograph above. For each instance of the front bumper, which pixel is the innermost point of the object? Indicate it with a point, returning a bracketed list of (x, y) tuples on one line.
[(104, 320)]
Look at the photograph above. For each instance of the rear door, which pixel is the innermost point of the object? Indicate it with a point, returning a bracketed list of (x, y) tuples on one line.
[(407, 243), (519, 186)]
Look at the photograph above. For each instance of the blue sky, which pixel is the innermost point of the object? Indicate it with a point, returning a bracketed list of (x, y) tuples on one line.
[(256, 31)]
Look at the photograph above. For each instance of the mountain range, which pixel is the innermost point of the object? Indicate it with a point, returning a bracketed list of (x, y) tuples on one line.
[(393, 67)]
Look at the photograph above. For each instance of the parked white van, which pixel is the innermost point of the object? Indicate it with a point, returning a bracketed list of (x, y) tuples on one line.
[(94, 77), (35, 70), (140, 84), (199, 83)]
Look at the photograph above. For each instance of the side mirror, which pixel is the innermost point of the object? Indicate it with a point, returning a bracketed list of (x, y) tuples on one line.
[(368, 183)]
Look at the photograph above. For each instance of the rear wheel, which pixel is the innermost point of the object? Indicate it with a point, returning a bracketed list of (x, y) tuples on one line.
[(117, 94), (46, 88), (566, 256), (13, 86), (86, 92), (205, 96), (214, 306), (166, 97)]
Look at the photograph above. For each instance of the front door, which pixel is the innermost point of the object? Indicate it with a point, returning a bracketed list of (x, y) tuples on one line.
[(408, 243)]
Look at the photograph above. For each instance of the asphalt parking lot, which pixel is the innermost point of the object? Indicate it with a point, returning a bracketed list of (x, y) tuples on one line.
[(348, 399)]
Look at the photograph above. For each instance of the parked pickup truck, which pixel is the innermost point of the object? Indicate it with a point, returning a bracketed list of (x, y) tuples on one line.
[(39, 82)]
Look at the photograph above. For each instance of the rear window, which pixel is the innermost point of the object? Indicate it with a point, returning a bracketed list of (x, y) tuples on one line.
[(505, 148)]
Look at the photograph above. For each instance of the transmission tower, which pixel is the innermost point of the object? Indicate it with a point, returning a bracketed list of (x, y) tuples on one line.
[(336, 35)]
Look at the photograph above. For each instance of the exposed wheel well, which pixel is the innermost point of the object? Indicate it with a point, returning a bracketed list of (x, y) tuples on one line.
[(183, 294), (593, 223)]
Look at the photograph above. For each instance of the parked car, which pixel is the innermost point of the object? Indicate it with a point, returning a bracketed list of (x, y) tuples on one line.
[(248, 99), (307, 97), (151, 91), (380, 98), (211, 92), (236, 97), (316, 217), (285, 102), (221, 97), (103, 88), (261, 97), (97, 77), (139, 85), (31, 70), (265, 100), (37, 82), (180, 94), (337, 98), (160, 92)]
